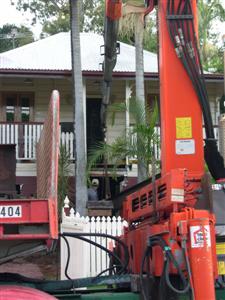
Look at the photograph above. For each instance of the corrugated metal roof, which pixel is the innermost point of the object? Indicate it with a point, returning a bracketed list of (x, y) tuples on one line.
[(54, 53)]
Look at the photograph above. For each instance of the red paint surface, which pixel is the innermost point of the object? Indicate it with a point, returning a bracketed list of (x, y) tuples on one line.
[(41, 209), (114, 9), (11, 292), (178, 99)]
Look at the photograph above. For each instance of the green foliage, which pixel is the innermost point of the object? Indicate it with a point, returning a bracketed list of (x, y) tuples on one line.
[(63, 176), (210, 11), (139, 141), (150, 34), (14, 36), (214, 61), (93, 15), (55, 15), (59, 24), (42, 10)]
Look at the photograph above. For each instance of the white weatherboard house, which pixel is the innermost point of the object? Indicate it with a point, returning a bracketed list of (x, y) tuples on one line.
[(28, 75)]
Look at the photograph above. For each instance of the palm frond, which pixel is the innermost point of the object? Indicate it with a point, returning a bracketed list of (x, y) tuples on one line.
[(114, 153), (138, 141), (115, 108)]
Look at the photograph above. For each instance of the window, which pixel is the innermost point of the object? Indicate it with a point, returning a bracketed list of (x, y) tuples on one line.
[(10, 109), (25, 109), (17, 107)]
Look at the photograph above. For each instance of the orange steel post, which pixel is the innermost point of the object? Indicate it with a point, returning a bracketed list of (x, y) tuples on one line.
[(181, 116), (182, 147), (201, 258)]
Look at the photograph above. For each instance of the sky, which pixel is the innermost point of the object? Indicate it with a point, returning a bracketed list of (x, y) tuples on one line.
[(9, 14)]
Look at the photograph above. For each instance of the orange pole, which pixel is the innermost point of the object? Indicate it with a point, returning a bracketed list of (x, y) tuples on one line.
[(201, 259), (181, 115)]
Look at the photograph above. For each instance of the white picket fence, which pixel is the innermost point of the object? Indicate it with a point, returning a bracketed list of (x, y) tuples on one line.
[(87, 260)]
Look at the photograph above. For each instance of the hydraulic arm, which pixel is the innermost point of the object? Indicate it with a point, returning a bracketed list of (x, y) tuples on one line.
[(168, 238)]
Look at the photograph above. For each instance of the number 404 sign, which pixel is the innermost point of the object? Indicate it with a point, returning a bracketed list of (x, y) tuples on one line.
[(200, 236), (10, 211)]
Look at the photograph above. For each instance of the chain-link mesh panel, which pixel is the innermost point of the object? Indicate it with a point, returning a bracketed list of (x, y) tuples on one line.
[(222, 135), (48, 151)]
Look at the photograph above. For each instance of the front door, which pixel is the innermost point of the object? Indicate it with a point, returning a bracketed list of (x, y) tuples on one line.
[(94, 130)]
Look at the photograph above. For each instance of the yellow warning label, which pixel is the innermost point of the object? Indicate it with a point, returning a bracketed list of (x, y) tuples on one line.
[(220, 248), (221, 267), (183, 128)]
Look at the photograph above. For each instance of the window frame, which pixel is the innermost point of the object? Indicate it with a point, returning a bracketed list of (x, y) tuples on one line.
[(17, 96)]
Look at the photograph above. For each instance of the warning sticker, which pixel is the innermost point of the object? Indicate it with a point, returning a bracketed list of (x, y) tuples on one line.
[(183, 128), (184, 147), (221, 267), (200, 236)]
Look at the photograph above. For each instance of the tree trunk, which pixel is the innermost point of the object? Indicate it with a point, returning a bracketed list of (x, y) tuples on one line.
[(79, 109), (140, 89)]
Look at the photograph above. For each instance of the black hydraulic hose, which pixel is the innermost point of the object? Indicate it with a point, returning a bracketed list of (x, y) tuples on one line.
[(190, 66), (157, 240), (125, 248), (91, 242), (170, 285), (196, 42), (185, 254), (68, 257), (102, 248), (216, 166), (146, 254), (111, 253), (208, 118), (162, 283), (201, 80), (173, 34), (107, 270), (193, 67)]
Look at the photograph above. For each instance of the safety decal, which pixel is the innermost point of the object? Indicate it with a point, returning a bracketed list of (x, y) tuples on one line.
[(184, 128), (200, 236), (221, 267), (184, 147)]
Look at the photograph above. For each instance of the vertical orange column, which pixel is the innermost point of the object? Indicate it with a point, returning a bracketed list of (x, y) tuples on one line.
[(181, 116), (201, 259)]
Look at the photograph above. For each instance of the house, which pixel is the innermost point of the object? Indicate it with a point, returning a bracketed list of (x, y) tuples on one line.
[(28, 75)]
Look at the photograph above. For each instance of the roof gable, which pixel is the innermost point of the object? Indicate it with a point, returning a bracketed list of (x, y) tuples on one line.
[(54, 54)]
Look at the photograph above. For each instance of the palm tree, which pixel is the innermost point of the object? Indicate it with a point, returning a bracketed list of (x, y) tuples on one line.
[(132, 22), (79, 126), (127, 145)]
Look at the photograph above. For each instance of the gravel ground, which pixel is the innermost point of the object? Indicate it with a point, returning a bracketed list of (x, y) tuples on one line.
[(39, 266)]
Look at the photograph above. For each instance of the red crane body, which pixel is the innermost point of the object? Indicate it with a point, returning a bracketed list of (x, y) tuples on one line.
[(19, 217), (162, 218)]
